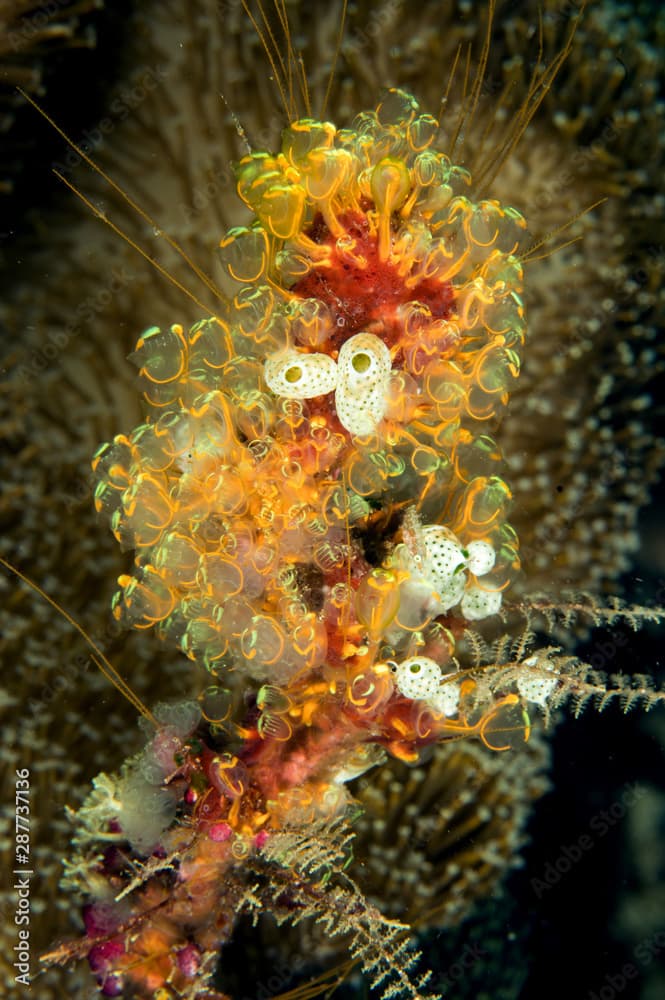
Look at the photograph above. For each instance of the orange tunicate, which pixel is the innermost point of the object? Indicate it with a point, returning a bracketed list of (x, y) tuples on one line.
[(228, 774), (370, 688)]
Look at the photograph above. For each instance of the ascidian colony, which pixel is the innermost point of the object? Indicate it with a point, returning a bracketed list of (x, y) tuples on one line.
[(318, 517), (317, 513)]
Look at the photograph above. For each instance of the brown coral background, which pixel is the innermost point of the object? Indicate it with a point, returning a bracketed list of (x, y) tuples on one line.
[(581, 436)]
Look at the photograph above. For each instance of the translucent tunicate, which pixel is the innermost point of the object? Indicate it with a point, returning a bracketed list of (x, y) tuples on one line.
[(161, 355), (216, 703), (244, 253), (143, 601), (311, 322), (177, 559), (220, 577), (262, 644)]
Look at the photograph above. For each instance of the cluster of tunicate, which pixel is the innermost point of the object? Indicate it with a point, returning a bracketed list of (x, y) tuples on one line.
[(317, 514), (445, 573), (313, 488), (421, 678)]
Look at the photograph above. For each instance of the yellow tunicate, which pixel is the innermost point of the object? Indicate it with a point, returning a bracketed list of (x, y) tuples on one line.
[(377, 601), (326, 171), (244, 252), (301, 137), (282, 209), (390, 185)]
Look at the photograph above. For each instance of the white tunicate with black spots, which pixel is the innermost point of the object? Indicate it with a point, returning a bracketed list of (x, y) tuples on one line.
[(446, 699), (481, 557), (478, 603), (419, 677), (297, 375), (363, 368), (445, 557), (533, 687)]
